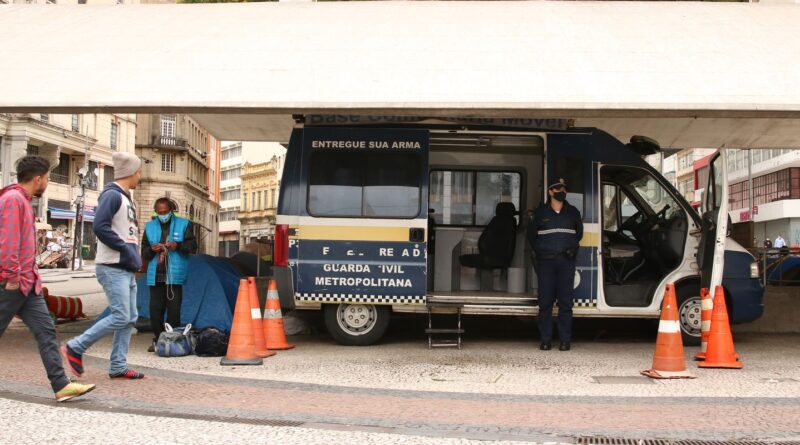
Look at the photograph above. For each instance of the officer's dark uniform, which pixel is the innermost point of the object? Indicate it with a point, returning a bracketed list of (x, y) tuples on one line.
[(555, 237)]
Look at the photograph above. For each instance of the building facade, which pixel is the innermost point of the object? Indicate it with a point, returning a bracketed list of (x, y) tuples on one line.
[(70, 142), (776, 192), (178, 157), (260, 192), (232, 159)]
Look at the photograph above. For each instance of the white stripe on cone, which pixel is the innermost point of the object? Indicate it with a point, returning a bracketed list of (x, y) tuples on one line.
[(255, 313), (669, 326), (707, 304)]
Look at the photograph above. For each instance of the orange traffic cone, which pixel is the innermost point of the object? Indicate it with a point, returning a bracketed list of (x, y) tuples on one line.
[(669, 361), (273, 320), (241, 345), (258, 324), (706, 308), (720, 353)]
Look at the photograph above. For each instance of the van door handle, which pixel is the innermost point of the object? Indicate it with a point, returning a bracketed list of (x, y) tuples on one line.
[(416, 235)]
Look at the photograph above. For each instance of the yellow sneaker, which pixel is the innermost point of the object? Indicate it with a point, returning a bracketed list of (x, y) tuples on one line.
[(73, 390)]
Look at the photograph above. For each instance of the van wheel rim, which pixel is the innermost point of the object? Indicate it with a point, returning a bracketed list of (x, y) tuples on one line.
[(356, 319), (690, 316)]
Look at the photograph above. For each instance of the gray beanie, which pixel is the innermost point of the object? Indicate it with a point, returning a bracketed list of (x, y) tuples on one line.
[(125, 164)]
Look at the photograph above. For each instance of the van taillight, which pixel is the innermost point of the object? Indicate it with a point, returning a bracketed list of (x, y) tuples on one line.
[(281, 245)]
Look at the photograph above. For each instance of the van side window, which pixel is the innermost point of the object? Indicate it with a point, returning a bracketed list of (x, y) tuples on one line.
[(469, 198), (364, 184)]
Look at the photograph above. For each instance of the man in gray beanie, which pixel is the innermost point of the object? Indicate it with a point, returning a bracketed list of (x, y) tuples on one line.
[(117, 259)]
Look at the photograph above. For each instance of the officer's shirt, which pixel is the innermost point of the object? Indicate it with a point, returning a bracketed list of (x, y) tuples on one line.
[(552, 232)]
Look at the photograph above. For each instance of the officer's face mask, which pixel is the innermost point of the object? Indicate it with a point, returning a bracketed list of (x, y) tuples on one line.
[(560, 195), (165, 218)]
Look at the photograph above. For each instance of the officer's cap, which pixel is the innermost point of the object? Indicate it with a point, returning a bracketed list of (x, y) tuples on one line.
[(559, 183)]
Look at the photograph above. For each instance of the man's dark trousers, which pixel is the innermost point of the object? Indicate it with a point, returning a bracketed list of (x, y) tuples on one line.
[(165, 297), (35, 315), (556, 282)]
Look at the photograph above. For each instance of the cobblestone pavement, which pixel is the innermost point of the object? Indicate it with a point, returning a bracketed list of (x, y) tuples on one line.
[(452, 395)]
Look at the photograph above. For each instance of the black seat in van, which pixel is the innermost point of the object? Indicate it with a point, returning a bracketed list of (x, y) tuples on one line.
[(496, 243)]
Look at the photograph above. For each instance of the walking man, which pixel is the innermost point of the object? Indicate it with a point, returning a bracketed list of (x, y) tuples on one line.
[(168, 241), (20, 283), (117, 259), (555, 233)]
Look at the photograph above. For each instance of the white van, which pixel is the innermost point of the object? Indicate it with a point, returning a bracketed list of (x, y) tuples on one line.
[(377, 214)]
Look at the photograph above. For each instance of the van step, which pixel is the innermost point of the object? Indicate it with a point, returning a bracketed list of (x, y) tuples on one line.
[(434, 334)]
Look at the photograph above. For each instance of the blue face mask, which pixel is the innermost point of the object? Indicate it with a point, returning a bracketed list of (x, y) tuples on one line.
[(165, 218)]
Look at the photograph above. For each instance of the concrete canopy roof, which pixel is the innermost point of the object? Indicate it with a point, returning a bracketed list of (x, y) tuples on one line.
[(685, 73)]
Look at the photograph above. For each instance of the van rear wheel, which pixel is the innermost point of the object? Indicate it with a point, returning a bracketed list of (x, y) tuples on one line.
[(689, 310), (357, 324)]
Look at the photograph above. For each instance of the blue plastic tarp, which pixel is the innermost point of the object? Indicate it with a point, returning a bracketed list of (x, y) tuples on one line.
[(209, 294)]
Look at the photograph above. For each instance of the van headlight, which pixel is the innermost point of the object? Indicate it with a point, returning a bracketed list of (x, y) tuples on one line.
[(754, 270)]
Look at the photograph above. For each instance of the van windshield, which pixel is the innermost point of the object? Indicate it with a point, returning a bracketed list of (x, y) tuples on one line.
[(655, 195)]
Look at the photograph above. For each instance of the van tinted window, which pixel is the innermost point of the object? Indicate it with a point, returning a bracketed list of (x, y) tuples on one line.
[(364, 184)]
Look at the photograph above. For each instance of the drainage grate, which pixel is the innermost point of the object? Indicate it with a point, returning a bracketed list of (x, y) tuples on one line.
[(620, 441)]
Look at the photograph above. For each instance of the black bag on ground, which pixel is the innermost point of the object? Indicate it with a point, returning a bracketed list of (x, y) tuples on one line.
[(211, 342)]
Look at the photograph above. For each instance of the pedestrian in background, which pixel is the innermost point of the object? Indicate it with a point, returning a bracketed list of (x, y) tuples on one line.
[(20, 282), (554, 234), (117, 259), (767, 244), (779, 242), (167, 243)]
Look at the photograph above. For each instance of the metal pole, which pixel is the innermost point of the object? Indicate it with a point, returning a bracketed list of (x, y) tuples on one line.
[(84, 180), (78, 204), (750, 188)]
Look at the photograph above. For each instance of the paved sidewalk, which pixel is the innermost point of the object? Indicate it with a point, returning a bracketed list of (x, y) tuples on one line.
[(352, 388)]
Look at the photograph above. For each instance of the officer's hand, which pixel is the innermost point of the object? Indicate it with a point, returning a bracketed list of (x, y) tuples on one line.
[(172, 245), (158, 247)]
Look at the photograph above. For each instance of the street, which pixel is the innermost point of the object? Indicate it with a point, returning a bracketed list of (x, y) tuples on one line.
[(498, 387)]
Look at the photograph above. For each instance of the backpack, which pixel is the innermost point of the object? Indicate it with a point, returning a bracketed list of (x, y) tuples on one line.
[(172, 343), (211, 342)]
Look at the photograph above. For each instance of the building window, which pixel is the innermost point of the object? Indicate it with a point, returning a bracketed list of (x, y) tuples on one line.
[(231, 173), (114, 128), (60, 174), (44, 117), (168, 162), (230, 195), (108, 175), (75, 124), (168, 125), (234, 151), (272, 198), (253, 202), (91, 176)]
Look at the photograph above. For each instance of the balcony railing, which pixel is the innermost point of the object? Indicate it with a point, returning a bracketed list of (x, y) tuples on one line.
[(59, 178), (170, 141)]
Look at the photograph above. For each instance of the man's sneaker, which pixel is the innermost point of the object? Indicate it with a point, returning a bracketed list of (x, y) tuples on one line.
[(73, 359), (73, 390), (127, 374)]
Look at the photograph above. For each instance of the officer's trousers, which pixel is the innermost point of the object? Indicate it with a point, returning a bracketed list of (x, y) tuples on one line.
[(556, 281)]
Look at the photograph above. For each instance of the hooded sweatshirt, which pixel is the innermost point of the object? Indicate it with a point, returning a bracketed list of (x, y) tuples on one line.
[(117, 230)]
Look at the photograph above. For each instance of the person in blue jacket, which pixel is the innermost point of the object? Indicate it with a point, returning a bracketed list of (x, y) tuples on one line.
[(554, 233), (167, 243)]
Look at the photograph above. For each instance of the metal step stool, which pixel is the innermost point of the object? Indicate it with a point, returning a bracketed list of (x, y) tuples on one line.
[(431, 331)]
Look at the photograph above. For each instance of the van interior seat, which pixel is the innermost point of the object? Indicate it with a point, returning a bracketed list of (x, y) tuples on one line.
[(622, 258), (496, 243)]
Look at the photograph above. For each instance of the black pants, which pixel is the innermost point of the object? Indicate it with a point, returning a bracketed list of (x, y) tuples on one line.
[(163, 299), (35, 315), (556, 283)]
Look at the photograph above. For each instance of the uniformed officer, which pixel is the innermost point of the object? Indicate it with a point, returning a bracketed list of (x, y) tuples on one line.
[(554, 234)]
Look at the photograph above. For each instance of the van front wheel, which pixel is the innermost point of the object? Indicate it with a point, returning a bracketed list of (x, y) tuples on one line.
[(357, 324), (689, 310)]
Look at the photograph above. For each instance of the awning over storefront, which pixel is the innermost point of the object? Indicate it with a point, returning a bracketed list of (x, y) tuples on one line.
[(57, 213), (685, 73)]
